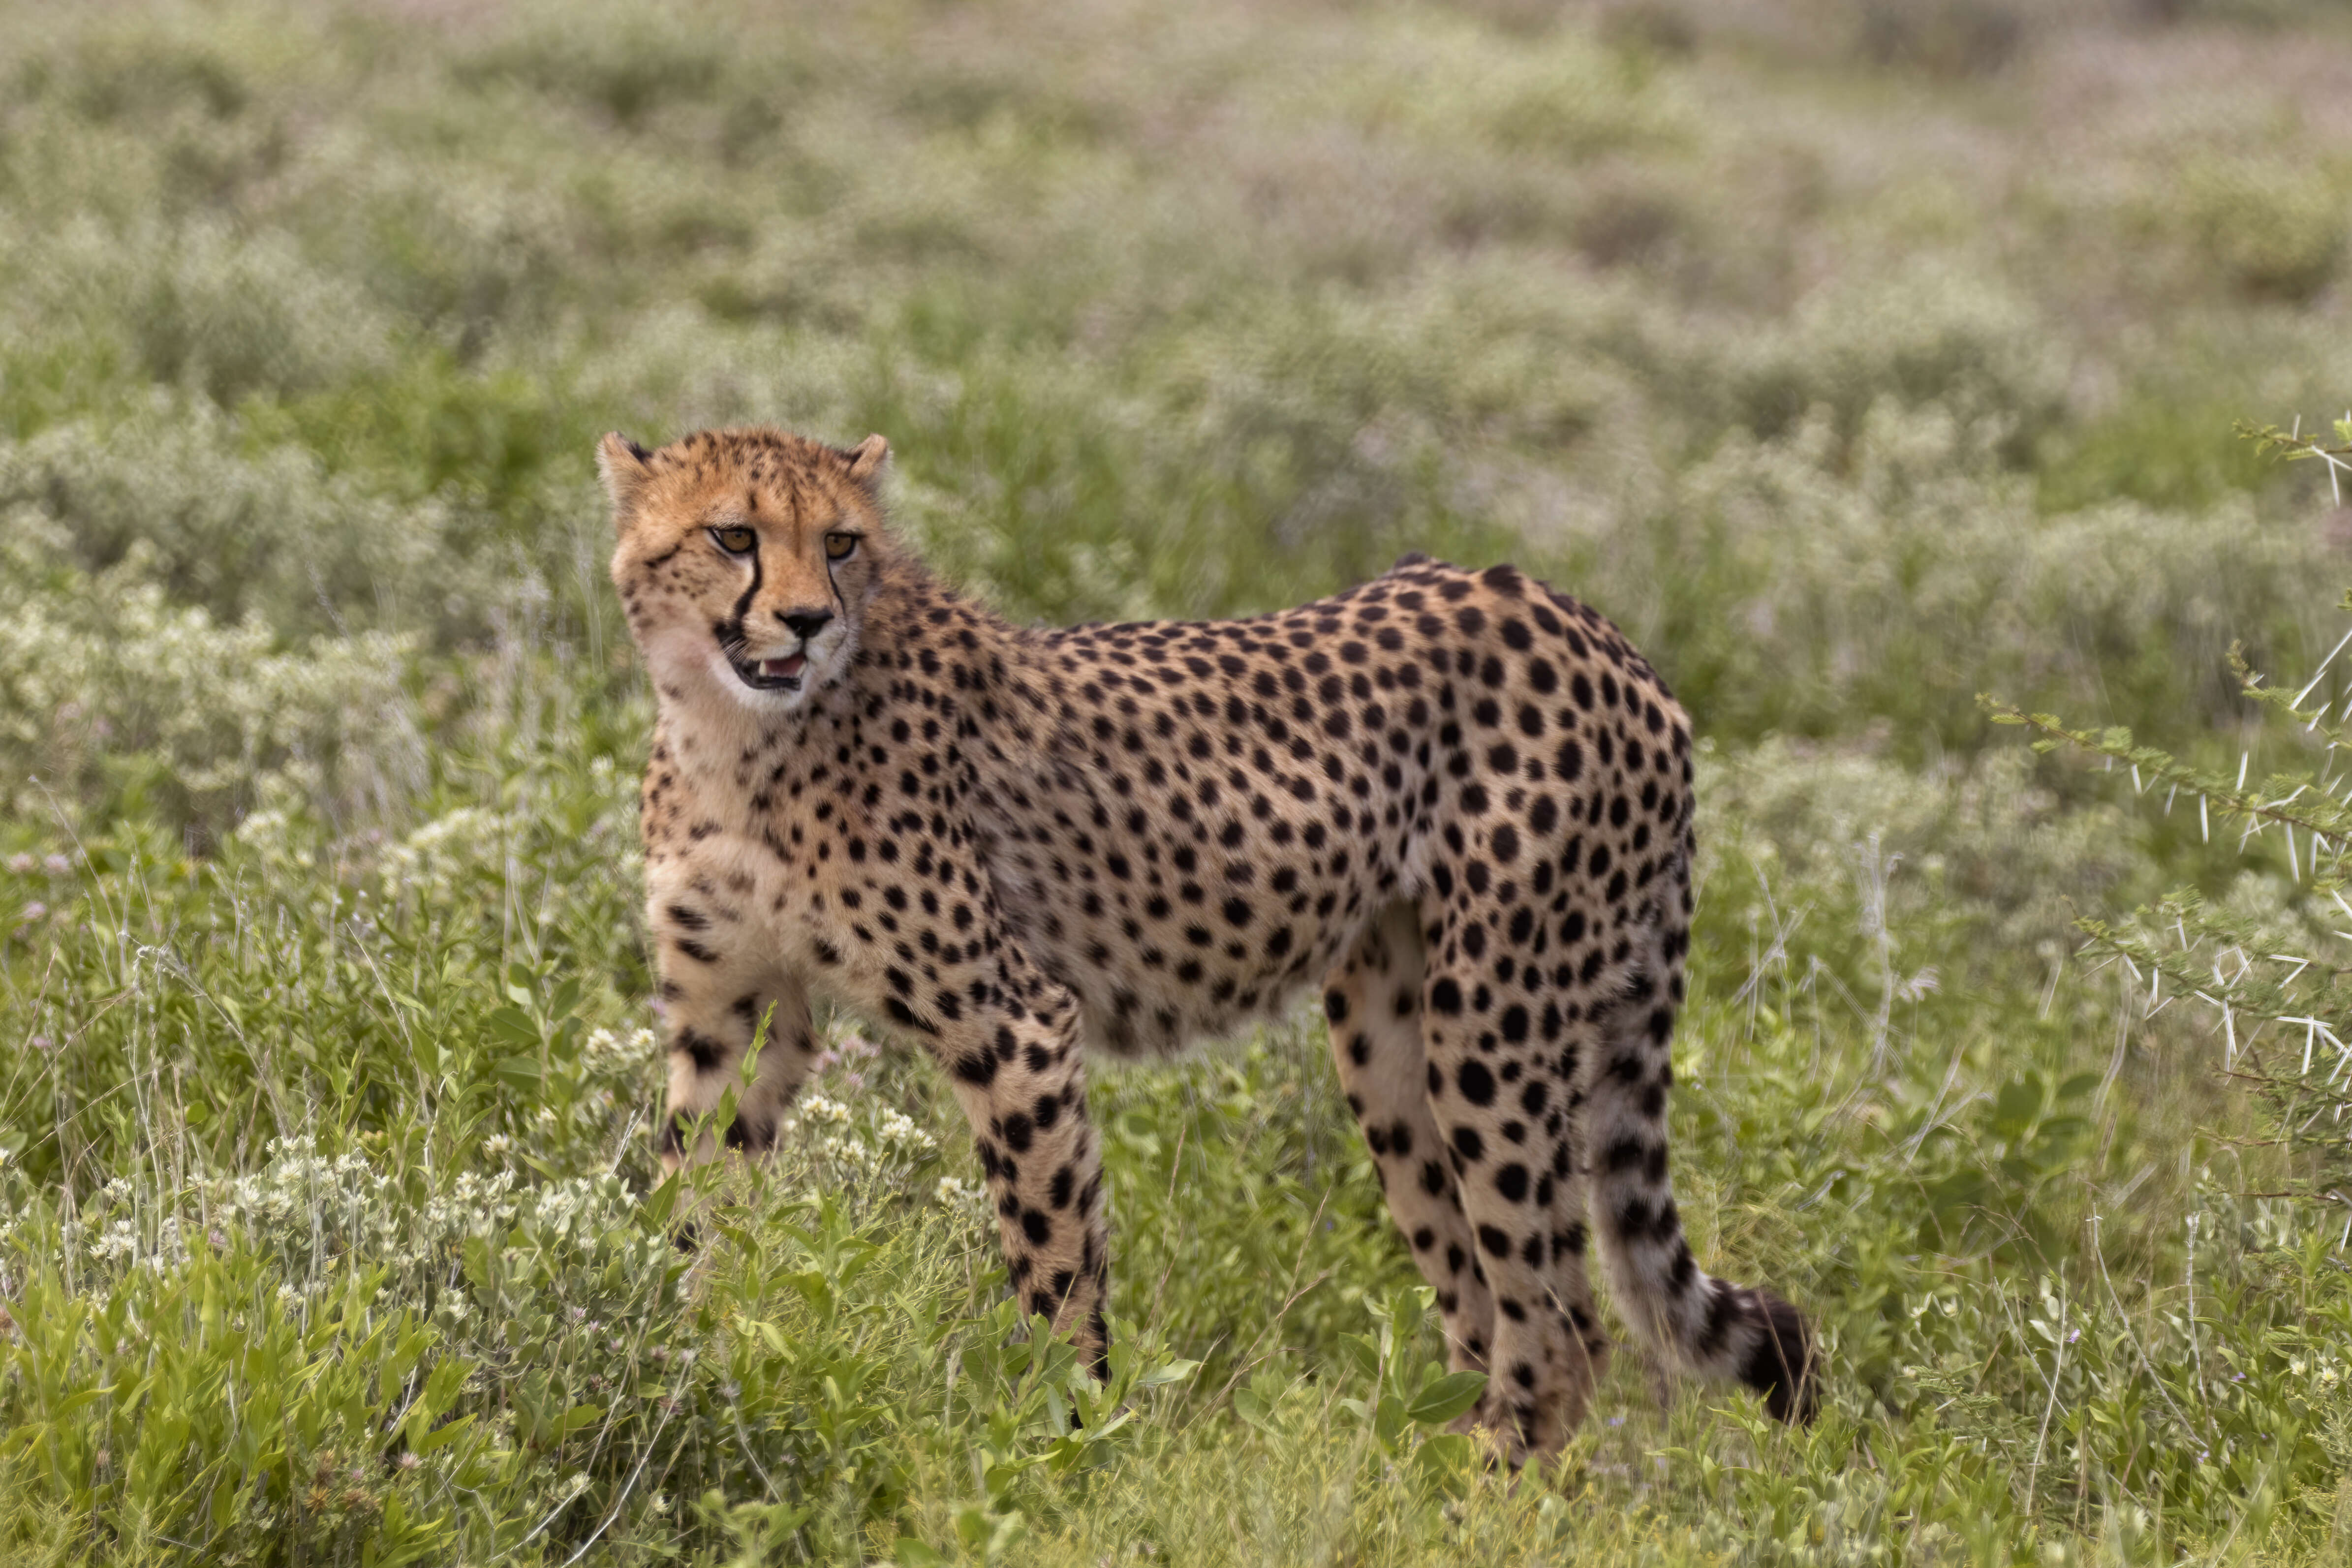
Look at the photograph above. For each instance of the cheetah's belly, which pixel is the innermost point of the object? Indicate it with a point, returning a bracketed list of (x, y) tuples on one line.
[(1193, 924)]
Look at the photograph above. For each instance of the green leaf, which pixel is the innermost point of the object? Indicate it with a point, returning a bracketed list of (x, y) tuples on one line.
[(2019, 1105), (520, 1070), (514, 1026), (1446, 1462), (441, 1437), (1170, 1372), (1442, 1399)]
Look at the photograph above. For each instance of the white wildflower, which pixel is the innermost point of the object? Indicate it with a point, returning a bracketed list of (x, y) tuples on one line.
[(818, 1108), (118, 1242), (432, 861), (899, 1128), (848, 1149)]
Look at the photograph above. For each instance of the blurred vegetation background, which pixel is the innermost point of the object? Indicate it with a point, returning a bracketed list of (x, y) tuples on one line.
[(1857, 356)]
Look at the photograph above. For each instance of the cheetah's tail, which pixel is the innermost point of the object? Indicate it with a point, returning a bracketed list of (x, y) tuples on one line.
[(1703, 1327)]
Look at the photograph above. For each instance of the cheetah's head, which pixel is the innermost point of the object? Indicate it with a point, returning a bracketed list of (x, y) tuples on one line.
[(744, 560)]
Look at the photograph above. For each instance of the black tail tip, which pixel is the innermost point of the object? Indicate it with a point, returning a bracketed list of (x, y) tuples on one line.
[(1781, 1366)]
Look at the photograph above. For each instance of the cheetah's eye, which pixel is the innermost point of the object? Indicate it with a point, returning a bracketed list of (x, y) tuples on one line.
[(734, 541), (837, 546)]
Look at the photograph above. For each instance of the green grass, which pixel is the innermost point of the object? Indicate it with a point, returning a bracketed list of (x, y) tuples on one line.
[(1856, 357)]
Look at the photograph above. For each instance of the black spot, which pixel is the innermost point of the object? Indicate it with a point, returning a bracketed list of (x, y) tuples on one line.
[(1511, 1181), (1476, 1083), (708, 1055), (1624, 1153)]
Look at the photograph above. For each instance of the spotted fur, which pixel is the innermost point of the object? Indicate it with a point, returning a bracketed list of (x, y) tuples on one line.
[(1459, 799)]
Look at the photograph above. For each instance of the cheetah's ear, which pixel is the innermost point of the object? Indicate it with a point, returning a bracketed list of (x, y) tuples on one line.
[(866, 460), (621, 464)]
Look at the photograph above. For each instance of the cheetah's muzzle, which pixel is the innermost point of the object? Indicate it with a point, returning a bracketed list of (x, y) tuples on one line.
[(1458, 800)]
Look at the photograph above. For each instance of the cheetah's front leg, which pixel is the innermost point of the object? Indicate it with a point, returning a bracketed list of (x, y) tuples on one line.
[(717, 988), (1019, 1076)]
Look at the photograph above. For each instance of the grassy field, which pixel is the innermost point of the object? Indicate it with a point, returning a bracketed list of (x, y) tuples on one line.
[(1857, 356)]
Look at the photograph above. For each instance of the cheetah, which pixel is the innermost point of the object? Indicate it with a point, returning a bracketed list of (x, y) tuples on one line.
[(1459, 799)]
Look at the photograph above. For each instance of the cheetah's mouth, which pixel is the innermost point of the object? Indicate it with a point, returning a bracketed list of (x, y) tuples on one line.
[(771, 675)]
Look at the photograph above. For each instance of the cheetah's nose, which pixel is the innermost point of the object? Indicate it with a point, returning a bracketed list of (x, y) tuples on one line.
[(804, 623)]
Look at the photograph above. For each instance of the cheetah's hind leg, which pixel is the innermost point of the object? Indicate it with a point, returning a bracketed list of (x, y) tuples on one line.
[(1372, 997), (1501, 1060)]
